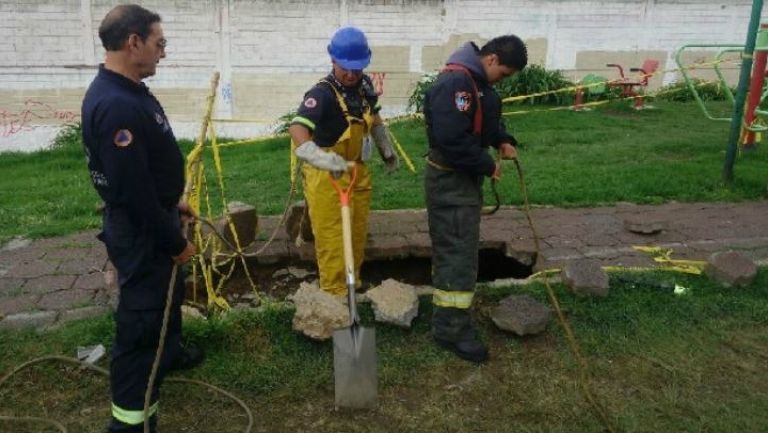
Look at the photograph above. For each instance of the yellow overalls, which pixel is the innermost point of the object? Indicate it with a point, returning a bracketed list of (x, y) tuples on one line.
[(324, 207)]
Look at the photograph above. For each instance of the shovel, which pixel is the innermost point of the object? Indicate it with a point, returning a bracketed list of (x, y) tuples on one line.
[(354, 347)]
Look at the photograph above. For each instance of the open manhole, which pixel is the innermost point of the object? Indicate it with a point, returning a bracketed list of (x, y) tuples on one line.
[(282, 279)]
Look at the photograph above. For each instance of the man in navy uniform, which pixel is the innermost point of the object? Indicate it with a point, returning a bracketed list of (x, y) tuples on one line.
[(137, 168), (463, 117)]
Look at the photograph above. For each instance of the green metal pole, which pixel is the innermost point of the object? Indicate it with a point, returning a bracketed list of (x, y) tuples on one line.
[(741, 92)]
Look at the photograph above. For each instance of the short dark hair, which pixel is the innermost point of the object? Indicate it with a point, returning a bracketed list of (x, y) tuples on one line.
[(123, 21), (510, 49)]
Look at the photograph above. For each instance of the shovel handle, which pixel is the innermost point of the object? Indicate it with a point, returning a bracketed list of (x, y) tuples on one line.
[(344, 194), (346, 230)]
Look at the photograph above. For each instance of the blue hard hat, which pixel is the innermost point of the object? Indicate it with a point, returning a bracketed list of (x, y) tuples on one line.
[(349, 48)]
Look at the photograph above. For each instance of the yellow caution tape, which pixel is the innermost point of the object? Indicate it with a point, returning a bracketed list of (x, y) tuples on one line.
[(607, 82)]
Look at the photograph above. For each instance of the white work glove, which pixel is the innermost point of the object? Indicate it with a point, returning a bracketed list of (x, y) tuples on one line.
[(387, 152), (310, 153)]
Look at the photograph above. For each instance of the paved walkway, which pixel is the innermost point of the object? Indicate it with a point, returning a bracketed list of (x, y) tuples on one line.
[(50, 281)]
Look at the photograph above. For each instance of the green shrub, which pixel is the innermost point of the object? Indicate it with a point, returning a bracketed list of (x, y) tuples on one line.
[(284, 121), (532, 79), (69, 137), (679, 92), (416, 100), (537, 79)]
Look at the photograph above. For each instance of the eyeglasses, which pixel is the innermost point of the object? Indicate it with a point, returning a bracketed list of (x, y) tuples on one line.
[(351, 71), (161, 43)]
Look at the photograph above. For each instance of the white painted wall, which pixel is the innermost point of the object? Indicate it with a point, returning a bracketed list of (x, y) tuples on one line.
[(51, 47)]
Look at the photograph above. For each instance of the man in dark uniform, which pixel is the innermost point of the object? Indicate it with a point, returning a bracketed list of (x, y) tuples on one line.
[(463, 117), (137, 168), (339, 122)]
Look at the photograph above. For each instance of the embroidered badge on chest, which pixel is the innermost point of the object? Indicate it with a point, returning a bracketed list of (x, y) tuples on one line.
[(123, 138), (462, 101)]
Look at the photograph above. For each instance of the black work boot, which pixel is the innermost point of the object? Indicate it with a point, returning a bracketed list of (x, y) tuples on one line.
[(452, 329), (189, 357)]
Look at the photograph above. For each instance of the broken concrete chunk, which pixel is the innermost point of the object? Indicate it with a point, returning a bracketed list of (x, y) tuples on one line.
[(245, 222), (522, 315), (585, 277), (318, 313), (731, 268), (640, 225), (189, 312), (525, 253), (394, 302)]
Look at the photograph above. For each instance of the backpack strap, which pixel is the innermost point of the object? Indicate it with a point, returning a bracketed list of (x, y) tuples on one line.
[(478, 121)]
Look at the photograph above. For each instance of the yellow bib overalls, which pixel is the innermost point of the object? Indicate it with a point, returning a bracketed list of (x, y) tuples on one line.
[(324, 207)]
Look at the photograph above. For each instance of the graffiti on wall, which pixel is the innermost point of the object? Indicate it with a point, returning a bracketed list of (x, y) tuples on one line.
[(377, 78), (32, 114)]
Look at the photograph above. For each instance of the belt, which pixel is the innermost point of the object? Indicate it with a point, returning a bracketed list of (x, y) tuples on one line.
[(435, 160), (433, 164)]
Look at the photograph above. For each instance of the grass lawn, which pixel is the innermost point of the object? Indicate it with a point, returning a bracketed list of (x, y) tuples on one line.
[(661, 363), (571, 159)]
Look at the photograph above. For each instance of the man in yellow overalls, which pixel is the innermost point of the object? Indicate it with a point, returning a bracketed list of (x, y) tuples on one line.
[(337, 123)]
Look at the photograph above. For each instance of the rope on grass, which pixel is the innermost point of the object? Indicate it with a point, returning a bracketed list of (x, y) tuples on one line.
[(584, 373), (104, 372)]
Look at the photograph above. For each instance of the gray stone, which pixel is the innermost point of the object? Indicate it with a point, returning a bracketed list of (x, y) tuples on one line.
[(523, 252), (280, 273), (65, 299), (28, 320), (638, 224), (92, 281), (394, 302), (244, 220), (48, 284), (522, 315), (15, 244), (106, 297), (81, 266), (31, 269), (299, 273), (585, 277), (10, 286), (318, 313), (298, 221), (83, 313), (731, 268), (191, 313), (18, 304)]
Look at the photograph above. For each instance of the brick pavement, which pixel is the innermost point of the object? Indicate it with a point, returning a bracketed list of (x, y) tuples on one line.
[(50, 281)]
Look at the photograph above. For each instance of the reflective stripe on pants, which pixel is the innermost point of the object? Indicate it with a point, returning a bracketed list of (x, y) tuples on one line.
[(443, 298), (132, 417)]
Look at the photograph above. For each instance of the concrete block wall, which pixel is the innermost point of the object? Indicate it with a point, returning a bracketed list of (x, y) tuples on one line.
[(269, 52)]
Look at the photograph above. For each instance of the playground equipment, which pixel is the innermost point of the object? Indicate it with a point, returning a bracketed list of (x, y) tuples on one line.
[(744, 123), (628, 84), (593, 84)]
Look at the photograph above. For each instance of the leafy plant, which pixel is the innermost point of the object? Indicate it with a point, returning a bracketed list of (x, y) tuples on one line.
[(69, 137), (679, 91), (284, 121), (532, 79), (536, 79), (416, 100)]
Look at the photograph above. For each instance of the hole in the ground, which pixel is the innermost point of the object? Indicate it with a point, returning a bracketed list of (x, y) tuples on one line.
[(280, 280)]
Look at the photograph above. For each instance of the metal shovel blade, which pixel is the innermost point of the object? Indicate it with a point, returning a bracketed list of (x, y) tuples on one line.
[(354, 367)]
